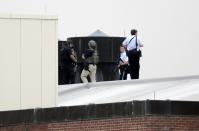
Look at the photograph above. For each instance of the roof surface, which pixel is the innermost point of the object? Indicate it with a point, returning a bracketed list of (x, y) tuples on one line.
[(176, 88)]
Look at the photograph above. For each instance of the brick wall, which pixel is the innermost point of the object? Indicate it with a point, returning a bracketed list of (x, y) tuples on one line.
[(140, 123)]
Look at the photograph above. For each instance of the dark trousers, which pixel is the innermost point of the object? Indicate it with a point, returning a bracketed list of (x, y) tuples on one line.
[(134, 62), (68, 75), (123, 73)]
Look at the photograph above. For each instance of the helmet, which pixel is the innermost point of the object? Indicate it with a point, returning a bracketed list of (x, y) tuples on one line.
[(92, 44), (68, 44)]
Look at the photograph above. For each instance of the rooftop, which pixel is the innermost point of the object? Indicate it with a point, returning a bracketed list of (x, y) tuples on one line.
[(176, 88)]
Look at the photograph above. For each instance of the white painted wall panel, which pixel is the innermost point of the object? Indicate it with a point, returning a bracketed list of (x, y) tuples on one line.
[(49, 49), (9, 63), (31, 43), (28, 62)]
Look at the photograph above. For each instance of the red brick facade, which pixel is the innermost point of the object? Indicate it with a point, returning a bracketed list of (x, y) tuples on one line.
[(141, 123)]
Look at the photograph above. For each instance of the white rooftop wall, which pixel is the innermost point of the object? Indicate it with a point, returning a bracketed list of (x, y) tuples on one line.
[(28, 61)]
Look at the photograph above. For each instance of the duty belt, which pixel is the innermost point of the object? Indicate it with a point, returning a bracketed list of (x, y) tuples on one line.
[(91, 64)]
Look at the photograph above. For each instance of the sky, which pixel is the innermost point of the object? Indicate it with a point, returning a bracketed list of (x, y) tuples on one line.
[(78, 17), (169, 28)]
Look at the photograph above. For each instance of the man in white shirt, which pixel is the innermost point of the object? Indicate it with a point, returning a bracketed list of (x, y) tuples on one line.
[(133, 44)]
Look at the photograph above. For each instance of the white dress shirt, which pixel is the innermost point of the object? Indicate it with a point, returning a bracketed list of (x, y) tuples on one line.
[(132, 44), (124, 57)]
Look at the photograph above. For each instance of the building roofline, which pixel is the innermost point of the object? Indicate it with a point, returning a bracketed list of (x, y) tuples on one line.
[(24, 16), (100, 111)]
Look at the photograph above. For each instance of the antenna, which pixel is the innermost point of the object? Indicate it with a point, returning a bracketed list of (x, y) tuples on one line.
[(124, 33), (45, 9)]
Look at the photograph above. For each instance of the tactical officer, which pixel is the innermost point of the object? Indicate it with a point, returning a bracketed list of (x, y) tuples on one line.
[(68, 59), (90, 58)]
